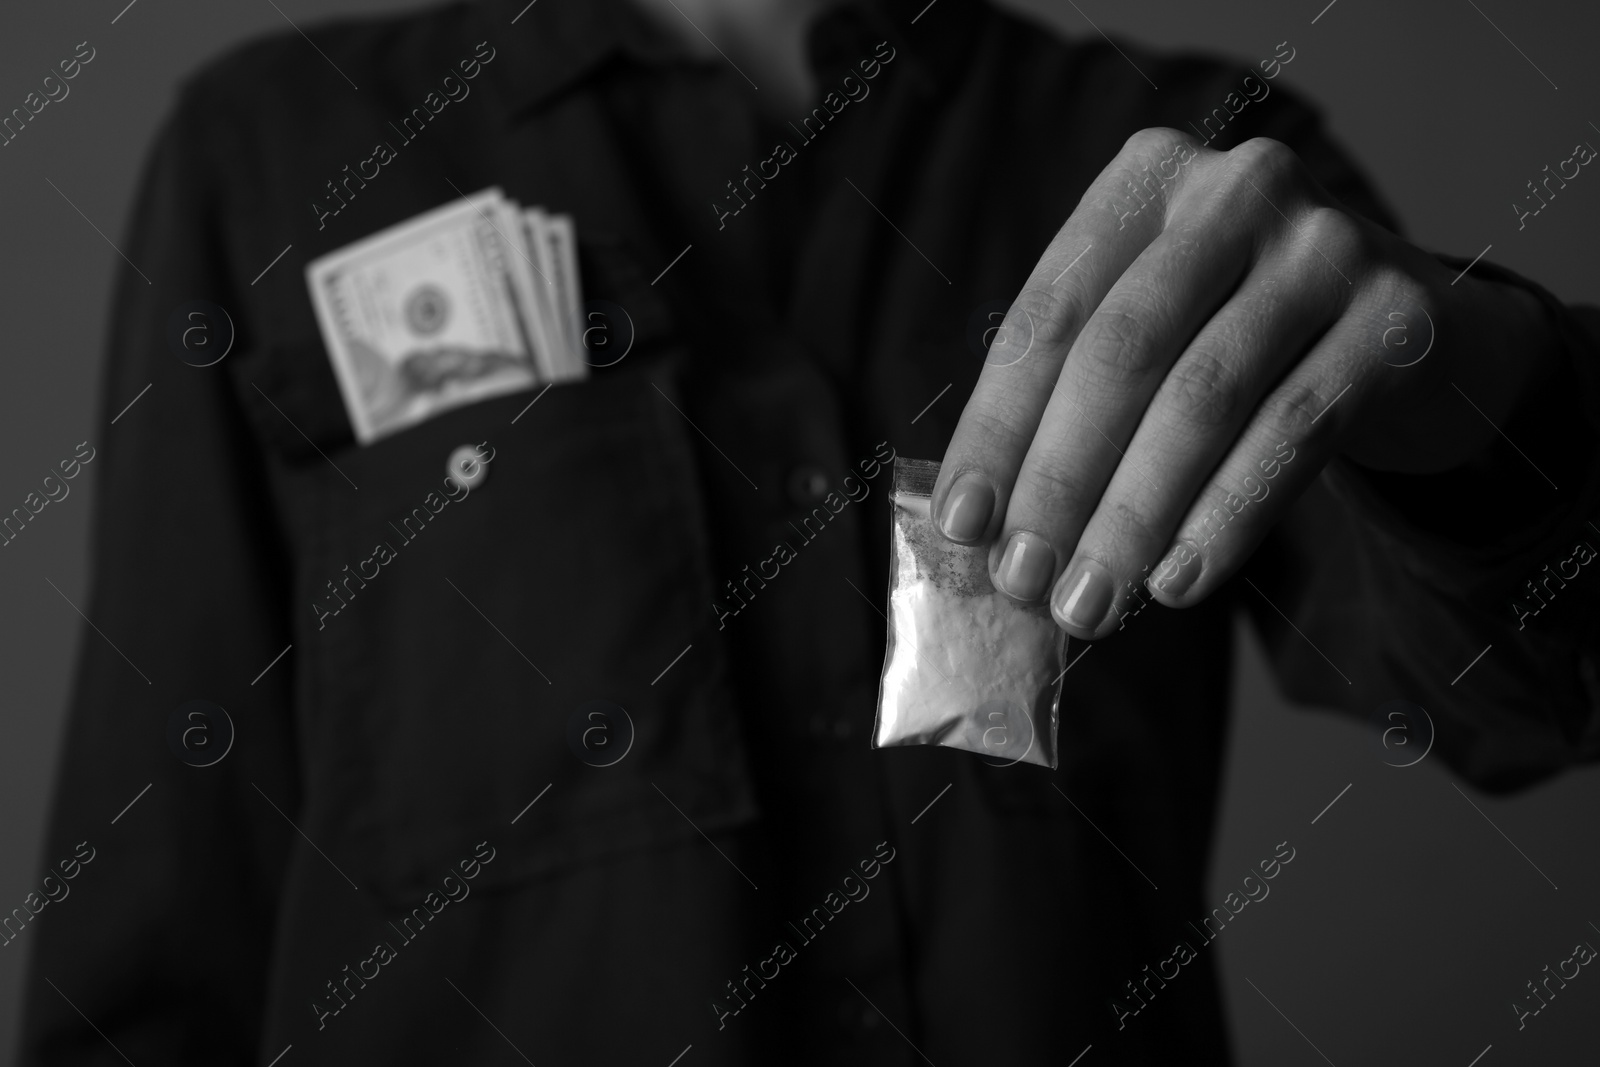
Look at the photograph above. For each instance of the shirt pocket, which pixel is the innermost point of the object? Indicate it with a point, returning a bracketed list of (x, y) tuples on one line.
[(528, 664)]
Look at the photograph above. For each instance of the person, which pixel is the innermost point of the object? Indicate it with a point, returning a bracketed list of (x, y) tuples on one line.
[(1201, 370)]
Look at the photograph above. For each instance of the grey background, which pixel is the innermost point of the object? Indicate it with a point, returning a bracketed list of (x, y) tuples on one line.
[(1406, 924)]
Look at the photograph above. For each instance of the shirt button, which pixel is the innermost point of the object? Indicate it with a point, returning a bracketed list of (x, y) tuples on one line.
[(465, 467), (808, 484)]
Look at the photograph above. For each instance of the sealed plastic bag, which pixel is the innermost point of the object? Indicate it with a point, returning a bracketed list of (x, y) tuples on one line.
[(967, 667)]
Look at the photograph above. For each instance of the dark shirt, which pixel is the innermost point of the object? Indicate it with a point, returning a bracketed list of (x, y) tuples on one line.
[(403, 859)]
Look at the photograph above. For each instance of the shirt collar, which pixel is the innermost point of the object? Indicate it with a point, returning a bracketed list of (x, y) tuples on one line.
[(550, 45)]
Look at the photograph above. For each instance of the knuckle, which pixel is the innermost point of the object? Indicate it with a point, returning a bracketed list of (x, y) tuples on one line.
[(1295, 413), (1260, 180), (1115, 327), (1392, 288), (1331, 230), (1203, 390), (1149, 142), (1401, 314), (1264, 161), (1039, 316), (1321, 240), (1152, 158), (1118, 344)]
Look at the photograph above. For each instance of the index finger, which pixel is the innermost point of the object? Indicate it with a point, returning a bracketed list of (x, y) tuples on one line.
[(1122, 212)]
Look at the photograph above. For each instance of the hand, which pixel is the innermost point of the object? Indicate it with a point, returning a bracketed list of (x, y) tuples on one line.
[(1205, 333)]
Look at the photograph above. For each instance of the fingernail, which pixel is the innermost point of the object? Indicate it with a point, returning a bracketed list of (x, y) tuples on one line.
[(1083, 596), (967, 508), (1027, 567), (1178, 571)]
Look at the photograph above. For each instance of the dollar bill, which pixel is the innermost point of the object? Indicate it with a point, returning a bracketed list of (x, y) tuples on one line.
[(459, 304), (540, 282), (558, 294), (564, 251)]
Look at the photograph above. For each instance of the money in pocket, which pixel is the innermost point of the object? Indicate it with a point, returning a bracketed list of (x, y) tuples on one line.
[(468, 301)]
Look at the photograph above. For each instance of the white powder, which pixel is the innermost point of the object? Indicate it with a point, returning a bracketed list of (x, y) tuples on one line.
[(967, 667)]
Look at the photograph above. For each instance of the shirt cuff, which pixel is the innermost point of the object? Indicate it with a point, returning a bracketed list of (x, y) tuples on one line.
[(1482, 537)]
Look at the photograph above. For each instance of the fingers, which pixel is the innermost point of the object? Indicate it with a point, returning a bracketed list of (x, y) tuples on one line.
[(1111, 227), (1224, 222), (1148, 398), (1206, 401), (1115, 368), (1298, 429)]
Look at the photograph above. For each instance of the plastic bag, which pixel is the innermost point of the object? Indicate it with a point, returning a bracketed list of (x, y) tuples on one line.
[(967, 667)]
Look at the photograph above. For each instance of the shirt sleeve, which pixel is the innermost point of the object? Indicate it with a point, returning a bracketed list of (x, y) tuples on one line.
[(159, 948), (1473, 598)]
